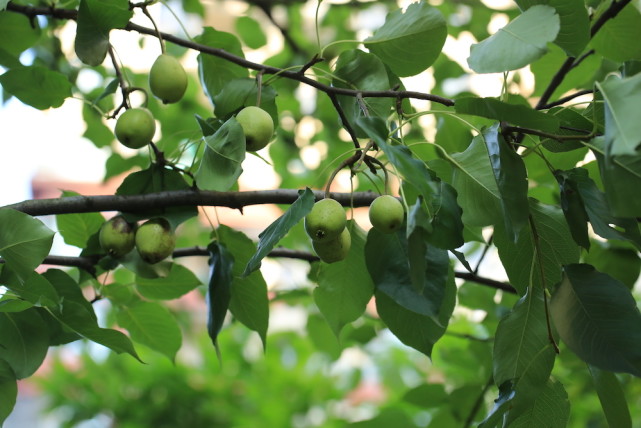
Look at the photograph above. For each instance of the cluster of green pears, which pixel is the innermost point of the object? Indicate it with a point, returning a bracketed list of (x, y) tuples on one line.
[(326, 225), (154, 239)]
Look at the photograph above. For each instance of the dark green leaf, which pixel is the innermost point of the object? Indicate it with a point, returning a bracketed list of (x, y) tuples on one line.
[(612, 398), (13, 305), (622, 179), (153, 325), (550, 408), (8, 390), (76, 229), (24, 241), (96, 18), (597, 317), (178, 282), (573, 209), (37, 86), (577, 123), (269, 237), (17, 32), (516, 114), (622, 99), (519, 43), (249, 30), (221, 264), (24, 341), (613, 39), (622, 264), (411, 40), (221, 166), (345, 288)]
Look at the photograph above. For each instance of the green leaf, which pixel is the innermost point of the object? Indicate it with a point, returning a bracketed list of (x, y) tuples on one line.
[(409, 42), (221, 263), (557, 248), (35, 288), (250, 32), (345, 287), (519, 43), (622, 129), (550, 408), (216, 72), (613, 39), (17, 32), (152, 325), (573, 209), (597, 317), (511, 179), (76, 229), (322, 337), (24, 241), (622, 264), (96, 18), (356, 69), (221, 164), (13, 305), (576, 123), (612, 398), (249, 303), (516, 114), (276, 231), (239, 93), (8, 390), (622, 179), (37, 86), (178, 282), (24, 341)]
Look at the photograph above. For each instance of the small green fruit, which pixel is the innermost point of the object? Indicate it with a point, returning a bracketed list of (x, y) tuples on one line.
[(116, 236), (326, 220), (386, 214), (167, 79), (155, 241), (258, 127), (334, 250), (135, 128)]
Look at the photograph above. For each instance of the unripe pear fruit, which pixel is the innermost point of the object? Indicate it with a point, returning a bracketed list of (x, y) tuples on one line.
[(155, 240), (386, 214), (167, 79), (258, 127), (326, 220), (116, 236), (135, 128), (334, 250)]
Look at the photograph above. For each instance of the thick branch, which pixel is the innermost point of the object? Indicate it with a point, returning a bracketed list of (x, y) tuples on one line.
[(175, 198)]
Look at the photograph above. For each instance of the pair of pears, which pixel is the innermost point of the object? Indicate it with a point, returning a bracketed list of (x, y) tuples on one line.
[(154, 240)]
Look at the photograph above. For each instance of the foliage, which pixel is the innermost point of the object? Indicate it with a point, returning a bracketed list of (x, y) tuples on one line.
[(546, 171)]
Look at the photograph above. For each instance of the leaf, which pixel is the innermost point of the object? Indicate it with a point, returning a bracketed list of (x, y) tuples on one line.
[(622, 99), (516, 114), (221, 166), (249, 303), (216, 72), (178, 282), (8, 390), (409, 42), (76, 229), (221, 263), (153, 325), (345, 288), (37, 86), (35, 288), (613, 39), (17, 32), (551, 408), (239, 93), (612, 398), (511, 179), (621, 178), (573, 209), (24, 341), (622, 264), (518, 44), (598, 319), (249, 30), (96, 18), (24, 241), (276, 231)]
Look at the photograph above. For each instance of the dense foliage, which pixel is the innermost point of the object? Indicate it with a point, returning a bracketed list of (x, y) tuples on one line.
[(546, 171)]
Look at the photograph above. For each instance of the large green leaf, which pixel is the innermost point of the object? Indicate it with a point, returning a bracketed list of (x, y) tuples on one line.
[(221, 263), (345, 287), (249, 303), (216, 72), (35, 288), (519, 43), (410, 41), (178, 282), (8, 390), (24, 341), (221, 164), (597, 317), (276, 231), (622, 99), (37, 86), (24, 241), (613, 39), (77, 228), (612, 398), (152, 325), (239, 93), (96, 18), (17, 32), (516, 114)]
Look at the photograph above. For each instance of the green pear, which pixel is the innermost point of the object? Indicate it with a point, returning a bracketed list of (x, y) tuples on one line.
[(135, 128), (334, 250), (386, 214), (116, 236), (167, 79), (258, 127), (326, 220), (155, 240)]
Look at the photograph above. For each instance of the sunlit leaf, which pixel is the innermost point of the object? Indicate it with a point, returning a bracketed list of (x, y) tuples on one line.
[(221, 164), (179, 281), (622, 99), (37, 86)]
